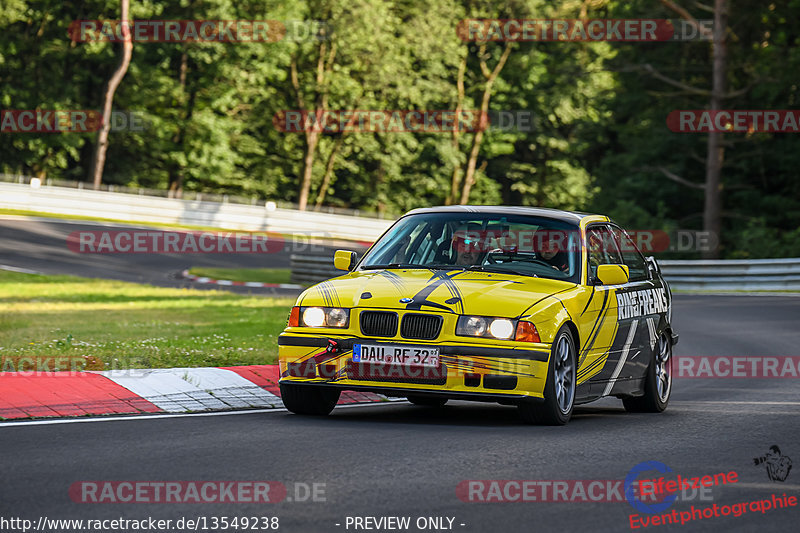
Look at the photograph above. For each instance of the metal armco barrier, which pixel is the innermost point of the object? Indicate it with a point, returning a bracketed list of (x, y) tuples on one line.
[(311, 269), (709, 276), (733, 275), (136, 208)]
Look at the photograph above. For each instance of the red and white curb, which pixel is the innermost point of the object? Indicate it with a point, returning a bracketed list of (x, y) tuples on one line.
[(227, 282), (169, 390)]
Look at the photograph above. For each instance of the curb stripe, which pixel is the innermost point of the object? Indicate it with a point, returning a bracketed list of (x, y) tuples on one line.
[(137, 391), (86, 393), (227, 282)]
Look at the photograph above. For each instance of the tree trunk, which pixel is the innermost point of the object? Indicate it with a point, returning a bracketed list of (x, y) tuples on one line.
[(176, 173), (715, 156), (326, 179), (312, 139), (99, 156), (455, 179), (320, 107), (469, 175)]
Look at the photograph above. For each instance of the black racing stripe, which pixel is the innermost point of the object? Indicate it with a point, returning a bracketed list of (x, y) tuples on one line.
[(322, 293), (394, 279), (454, 290), (421, 298), (595, 328), (328, 298), (591, 296), (540, 300), (333, 296), (599, 362)]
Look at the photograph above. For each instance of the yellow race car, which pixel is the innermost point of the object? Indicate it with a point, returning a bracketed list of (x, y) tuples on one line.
[(538, 308)]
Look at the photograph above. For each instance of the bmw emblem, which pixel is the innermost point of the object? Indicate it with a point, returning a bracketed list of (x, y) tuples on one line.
[(406, 300)]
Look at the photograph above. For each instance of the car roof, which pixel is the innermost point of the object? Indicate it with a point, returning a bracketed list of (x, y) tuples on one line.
[(565, 216)]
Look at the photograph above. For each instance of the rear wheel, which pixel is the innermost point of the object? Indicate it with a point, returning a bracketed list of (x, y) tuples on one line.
[(426, 401), (559, 390), (309, 400), (657, 381)]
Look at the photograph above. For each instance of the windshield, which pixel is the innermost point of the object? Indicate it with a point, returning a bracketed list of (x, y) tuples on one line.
[(515, 244)]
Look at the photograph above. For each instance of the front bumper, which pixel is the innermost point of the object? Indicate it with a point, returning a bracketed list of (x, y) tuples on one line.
[(503, 373)]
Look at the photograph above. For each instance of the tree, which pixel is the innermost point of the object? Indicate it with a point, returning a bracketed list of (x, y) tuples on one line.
[(715, 151), (99, 156)]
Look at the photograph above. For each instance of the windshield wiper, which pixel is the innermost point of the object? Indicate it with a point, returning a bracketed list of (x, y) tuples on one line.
[(499, 270), (444, 267), (389, 265)]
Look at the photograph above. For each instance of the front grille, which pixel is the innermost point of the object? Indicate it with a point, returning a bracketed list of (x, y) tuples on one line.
[(421, 326), (378, 323), (397, 374)]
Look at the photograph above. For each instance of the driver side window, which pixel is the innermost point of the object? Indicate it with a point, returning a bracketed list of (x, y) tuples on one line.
[(637, 267), (602, 249)]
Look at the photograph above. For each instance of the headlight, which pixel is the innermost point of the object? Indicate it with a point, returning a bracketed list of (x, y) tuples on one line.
[(337, 317), (485, 326), (501, 328), (497, 328), (313, 317), (473, 325), (331, 317)]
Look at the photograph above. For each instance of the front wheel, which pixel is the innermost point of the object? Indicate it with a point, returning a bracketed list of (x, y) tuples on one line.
[(309, 400), (657, 381), (559, 389)]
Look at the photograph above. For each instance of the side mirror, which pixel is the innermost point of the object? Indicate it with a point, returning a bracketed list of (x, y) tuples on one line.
[(344, 260), (613, 274)]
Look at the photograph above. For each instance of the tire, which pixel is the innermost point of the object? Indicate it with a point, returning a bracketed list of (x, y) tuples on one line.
[(426, 401), (309, 400), (559, 389), (657, 381)]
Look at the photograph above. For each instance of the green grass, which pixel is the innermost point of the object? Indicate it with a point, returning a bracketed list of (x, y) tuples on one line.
[(262, 275), (100, 324)]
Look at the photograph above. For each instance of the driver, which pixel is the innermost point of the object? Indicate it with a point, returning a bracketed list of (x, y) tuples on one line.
[(551, 248), (465, 246)]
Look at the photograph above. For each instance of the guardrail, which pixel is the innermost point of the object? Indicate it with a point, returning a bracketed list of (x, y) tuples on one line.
[(311, 269), (733, 274), (136, 208), (704, 275)]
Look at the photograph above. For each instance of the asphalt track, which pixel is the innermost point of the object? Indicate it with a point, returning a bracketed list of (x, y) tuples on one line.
[(40, 244), (401, 460)]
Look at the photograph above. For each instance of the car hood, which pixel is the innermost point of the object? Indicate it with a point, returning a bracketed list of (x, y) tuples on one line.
[(455, 291)]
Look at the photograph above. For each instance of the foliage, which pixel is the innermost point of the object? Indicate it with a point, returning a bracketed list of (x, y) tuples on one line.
[(598, 130)]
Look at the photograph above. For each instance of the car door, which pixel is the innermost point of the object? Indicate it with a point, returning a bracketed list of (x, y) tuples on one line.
[(645, 299), (638, 303), (597, 323)]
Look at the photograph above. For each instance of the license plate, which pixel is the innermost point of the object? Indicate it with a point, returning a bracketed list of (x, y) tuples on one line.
[(396, 355)]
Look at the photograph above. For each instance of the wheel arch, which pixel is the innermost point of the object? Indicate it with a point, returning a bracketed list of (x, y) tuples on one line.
[(573, 329)]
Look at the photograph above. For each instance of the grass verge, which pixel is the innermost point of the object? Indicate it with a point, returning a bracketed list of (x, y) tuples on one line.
[(71, 322), (261, 275)]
